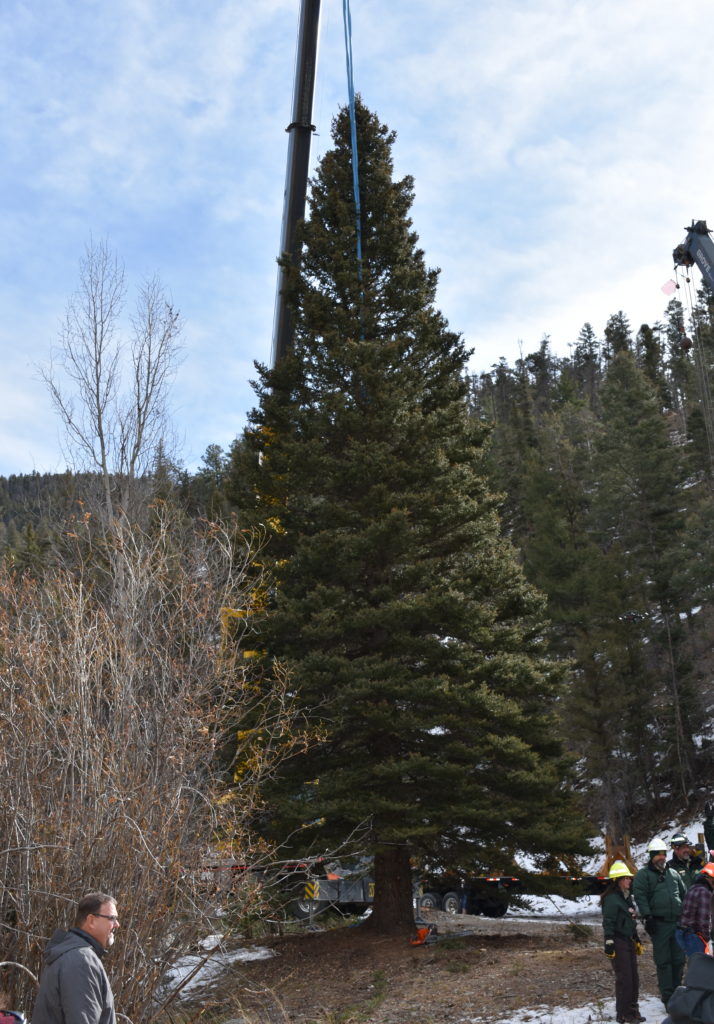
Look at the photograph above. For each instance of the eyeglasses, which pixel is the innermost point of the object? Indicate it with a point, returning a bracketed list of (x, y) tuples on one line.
[(109, 917)]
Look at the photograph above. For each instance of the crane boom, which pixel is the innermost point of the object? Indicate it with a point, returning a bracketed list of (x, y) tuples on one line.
[(697, 248), (300, 132)]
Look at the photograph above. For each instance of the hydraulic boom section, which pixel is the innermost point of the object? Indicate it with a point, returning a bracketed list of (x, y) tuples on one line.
[(697, 248), (300, 132)]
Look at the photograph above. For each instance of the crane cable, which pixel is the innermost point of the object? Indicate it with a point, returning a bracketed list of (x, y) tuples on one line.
[(347, 18), (702, 373)]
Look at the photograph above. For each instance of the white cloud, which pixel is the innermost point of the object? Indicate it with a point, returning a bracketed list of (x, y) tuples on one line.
[(558, 150)]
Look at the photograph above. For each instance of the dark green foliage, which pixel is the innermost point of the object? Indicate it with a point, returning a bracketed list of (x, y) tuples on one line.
[(700, 418), (204, 492), (617, 335), (586, 364), (649, 352), (32, 507), (612, 510), (678, 348), (400, 608), (39, 512), (637, 523)]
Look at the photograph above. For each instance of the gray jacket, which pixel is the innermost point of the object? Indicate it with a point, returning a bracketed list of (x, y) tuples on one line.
[(74, 988)]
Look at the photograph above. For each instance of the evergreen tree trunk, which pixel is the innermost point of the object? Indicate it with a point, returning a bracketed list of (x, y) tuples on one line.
[(393, 907)]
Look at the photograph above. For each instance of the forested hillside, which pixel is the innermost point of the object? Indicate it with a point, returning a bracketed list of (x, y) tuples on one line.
[(30, 507), (604, 459)]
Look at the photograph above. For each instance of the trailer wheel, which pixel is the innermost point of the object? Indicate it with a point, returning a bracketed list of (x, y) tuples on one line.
[(302, 909), (430, 901), (451, 903)]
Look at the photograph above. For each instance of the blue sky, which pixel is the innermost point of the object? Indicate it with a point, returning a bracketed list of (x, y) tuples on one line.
[(558, 150)]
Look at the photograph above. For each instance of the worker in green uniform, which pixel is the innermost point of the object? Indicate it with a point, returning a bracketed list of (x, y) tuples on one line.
[(658, 893), (622, 943), (683, 860)]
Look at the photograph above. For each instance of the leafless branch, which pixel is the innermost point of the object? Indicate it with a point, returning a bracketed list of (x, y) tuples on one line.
[(119, 696), (114, 427)]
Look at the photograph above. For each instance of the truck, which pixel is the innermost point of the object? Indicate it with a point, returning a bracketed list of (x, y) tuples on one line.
[(321, 884), (305, 889), (351, 890)]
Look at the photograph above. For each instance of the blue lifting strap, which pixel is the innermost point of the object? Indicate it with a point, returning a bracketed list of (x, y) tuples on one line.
[(347, 18)]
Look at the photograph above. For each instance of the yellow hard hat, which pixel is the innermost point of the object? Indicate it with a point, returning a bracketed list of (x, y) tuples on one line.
[(618, 869)]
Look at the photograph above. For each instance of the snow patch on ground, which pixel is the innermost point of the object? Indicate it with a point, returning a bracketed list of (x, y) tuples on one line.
[(584, 906), (591, 1013), (201, 970)]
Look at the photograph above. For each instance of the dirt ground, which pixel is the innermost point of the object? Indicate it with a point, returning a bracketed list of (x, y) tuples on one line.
[(478, 968)]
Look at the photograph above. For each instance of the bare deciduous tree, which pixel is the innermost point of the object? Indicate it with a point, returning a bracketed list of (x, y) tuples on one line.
[(117, 695), (114, 427)]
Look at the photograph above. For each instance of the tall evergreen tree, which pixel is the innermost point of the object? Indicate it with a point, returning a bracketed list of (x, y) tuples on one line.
[(513, 440), (679, 361), (587, 363), (700, 425), (203, 493), (639, 523), (649, 352), (617, 335), (542, 370), (409, 628)]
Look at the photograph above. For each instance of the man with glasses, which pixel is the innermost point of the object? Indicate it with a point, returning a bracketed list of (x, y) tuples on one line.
[(74, 988)]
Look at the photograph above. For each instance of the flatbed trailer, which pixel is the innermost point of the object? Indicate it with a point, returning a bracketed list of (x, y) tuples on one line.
[(305, 889), (489, 895)]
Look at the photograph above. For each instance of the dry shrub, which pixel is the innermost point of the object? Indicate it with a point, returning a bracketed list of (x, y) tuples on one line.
[(122, 685)]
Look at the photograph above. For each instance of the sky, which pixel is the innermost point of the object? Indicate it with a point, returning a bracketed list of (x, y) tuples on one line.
[(559, 149)]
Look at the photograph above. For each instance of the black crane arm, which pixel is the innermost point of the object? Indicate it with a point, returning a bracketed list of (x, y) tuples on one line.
[(300, 132), (697, 248)]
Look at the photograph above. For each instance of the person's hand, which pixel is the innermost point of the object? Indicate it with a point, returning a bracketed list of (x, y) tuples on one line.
[(639, 948), (610, 949), (650, 925)]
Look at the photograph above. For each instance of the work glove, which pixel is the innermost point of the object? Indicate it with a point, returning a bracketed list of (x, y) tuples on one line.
[(639, 948), (610, 949), (650, 925)]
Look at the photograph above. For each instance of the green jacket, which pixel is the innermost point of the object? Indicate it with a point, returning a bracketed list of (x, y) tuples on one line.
[(658, 893), (686, 869), (617, 921)]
